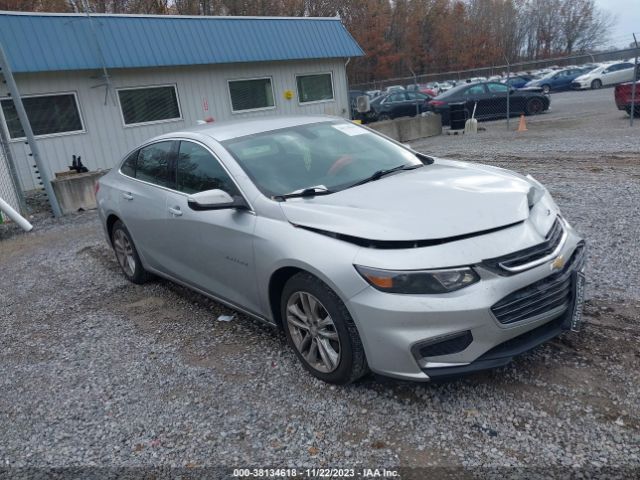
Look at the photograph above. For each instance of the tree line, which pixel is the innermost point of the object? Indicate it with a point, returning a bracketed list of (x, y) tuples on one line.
[(404, 36)]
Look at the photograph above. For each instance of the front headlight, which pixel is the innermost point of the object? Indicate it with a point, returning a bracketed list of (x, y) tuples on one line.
[(418, 281)]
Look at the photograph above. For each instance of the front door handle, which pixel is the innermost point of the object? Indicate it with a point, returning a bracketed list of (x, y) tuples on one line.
[(127, 196), (175, 211)]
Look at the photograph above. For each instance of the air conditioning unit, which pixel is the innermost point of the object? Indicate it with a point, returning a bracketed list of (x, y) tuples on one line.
[(362, 104)]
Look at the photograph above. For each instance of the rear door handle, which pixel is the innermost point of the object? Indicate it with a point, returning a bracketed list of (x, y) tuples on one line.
[(175, 211), (127, 196)]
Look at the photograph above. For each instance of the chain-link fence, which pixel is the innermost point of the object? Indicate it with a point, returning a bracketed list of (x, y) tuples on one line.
[(10, 190), (494, 92)]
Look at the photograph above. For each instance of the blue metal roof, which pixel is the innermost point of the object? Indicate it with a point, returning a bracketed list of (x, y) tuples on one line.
[(53, 42)]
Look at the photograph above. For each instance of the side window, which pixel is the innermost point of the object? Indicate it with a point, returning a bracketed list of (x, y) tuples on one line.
[(475, 90), (128, 167), (152, 164), (497, 88), (397, 97), (198, 171), (416, 96)]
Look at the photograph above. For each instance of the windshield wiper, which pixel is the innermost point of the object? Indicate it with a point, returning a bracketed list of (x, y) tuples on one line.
[(378, 174), (305, 192)]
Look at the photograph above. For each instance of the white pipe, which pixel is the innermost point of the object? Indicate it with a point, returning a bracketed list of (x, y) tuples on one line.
[(15, 216)]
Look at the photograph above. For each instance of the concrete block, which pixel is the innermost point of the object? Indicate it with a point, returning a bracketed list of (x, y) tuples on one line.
[(419, 127), (76, 191), (406, 129), (386, 127)]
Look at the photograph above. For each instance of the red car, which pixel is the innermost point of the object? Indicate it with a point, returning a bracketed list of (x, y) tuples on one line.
[(623, 93)]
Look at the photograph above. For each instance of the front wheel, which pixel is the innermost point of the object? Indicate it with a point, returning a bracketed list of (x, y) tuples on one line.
[(534, 106), (127, 255), (321, 331), (596, 84)]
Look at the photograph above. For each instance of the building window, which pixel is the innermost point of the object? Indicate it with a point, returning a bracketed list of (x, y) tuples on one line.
[(48, 115), (252, 94), (149, 104), (315, 88)]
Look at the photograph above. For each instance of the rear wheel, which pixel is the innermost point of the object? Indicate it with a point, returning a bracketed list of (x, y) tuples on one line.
[(127, 255), (596, 84), (534, 106), (321, 331)]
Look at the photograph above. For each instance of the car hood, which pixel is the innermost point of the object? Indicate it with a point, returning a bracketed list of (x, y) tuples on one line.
[(438, 201)]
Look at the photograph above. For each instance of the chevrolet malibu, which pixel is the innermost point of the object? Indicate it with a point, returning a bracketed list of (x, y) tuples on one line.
[(369, 255)]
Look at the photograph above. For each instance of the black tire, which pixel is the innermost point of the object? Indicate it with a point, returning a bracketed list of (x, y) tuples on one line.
[(596, 84), (352, 363), (534, 106), (137, 274), (546, 88), (383, 117)]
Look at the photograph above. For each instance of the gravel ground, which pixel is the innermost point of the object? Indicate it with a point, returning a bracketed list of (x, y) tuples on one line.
[(98, 372)]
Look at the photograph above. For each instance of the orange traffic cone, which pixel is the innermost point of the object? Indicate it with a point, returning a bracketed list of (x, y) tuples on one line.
[(522, 127)]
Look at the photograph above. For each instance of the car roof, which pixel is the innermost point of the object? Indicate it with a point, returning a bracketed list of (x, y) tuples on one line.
[(229, 129)]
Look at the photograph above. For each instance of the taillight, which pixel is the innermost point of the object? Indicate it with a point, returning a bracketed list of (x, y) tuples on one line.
[(437, 103), (96, 187)]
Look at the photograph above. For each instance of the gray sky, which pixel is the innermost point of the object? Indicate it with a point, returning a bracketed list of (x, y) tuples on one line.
[(627, 13)]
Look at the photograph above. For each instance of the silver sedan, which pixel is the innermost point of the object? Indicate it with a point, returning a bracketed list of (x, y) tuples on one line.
[(369, 255)]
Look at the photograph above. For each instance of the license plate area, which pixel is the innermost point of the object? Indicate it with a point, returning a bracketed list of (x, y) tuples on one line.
[(578, 303)]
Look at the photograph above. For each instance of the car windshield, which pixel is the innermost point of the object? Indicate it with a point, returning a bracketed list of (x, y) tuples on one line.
[(334, 155)]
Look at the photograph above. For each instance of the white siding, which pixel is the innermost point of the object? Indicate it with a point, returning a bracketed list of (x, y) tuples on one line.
[(106, 139)]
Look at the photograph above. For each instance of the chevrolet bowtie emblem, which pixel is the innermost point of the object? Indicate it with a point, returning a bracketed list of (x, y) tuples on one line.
[(558, 263)]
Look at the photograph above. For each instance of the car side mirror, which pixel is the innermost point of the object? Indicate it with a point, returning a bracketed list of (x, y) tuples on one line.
[(215, 200)]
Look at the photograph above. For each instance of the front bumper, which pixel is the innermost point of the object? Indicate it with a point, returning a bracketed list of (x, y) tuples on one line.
[(581, 84), (466, 333)]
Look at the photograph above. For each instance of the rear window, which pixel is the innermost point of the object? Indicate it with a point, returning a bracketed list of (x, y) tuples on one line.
[(128, 167), (152, 164)]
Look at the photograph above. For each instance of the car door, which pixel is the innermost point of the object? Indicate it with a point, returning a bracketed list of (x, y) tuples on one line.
[(612, 74), (416, 102), (478, 94), (498, 98), (396, 104), (624, 73), (212, 249), (142, 199)]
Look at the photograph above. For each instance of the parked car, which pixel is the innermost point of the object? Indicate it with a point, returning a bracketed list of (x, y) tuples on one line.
[(556, 80), (368, 255), (605, 75), (491, 98), (518, 81), (445, 86), (623, 94), (397, 104), (422, 88)]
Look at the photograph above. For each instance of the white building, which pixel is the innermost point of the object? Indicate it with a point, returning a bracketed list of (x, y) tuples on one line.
[(98, 86)]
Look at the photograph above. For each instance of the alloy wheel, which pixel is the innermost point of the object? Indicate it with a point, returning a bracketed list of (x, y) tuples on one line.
[(124, 252), (313, 332)]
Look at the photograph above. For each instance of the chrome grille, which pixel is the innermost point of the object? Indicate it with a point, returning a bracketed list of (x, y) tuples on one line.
[(552, 292), (529, 257)]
